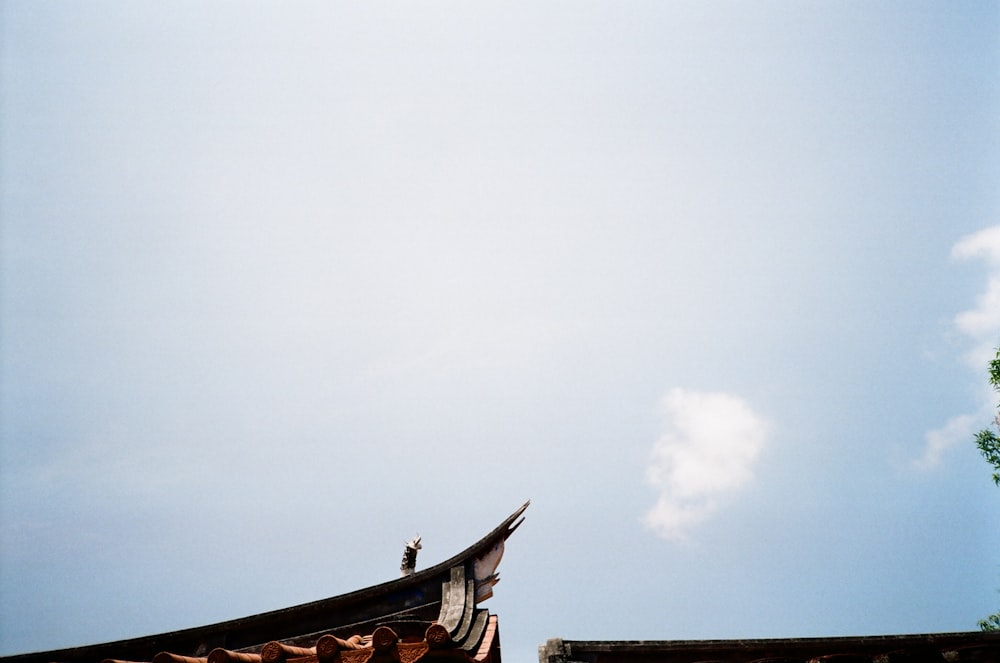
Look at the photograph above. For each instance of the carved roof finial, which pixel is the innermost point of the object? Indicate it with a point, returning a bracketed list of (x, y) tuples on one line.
[(409, 563)]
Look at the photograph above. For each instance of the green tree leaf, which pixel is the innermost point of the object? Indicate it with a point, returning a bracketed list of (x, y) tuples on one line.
[(989, 445)]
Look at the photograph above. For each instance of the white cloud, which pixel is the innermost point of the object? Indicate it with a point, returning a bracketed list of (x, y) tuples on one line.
[(984, 243), (707, 452), (958, 430), (982, 323), (981, 326)]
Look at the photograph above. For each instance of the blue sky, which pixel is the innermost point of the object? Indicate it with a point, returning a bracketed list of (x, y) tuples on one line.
[(712, 284)]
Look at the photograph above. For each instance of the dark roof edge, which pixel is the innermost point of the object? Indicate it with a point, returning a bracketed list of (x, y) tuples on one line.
[(500, 532), (340, 602), (556, 650), (654, 645)]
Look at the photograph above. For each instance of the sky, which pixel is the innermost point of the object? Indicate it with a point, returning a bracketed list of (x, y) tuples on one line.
[(713, 284)]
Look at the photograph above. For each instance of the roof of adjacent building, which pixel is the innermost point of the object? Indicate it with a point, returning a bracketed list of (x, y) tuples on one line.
[(431, 614), (922, 648)]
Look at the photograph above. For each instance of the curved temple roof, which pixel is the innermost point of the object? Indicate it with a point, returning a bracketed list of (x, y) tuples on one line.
[(431, 614)]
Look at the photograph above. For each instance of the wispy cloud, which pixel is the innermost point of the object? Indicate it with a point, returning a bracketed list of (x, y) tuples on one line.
[(707, 451), (938, 441), (980, 325)]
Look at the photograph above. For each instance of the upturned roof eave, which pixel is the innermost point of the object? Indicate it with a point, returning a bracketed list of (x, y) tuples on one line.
[(287, 623)]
